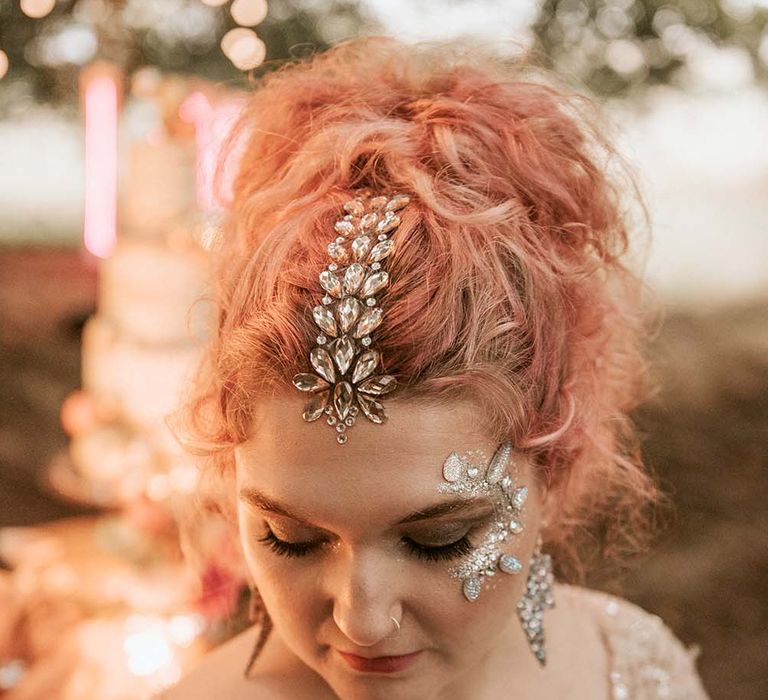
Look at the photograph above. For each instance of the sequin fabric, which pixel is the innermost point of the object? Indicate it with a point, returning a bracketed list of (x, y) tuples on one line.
[(647, 661)]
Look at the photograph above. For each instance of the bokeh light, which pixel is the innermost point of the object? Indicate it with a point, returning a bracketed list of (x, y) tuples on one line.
[(3, 64), (37, 8), (249, 13), (243, 48), (74, 44), (215, 3)]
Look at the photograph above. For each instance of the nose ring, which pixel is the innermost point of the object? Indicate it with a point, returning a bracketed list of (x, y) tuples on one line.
[(397, 624)]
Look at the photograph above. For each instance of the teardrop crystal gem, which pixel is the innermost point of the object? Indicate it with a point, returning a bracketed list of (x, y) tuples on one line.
[(325, 320), (360, 247), (453, 467), (338, 252), (368, 221), (309, 382), (344, 227), (374, 283), (379, 385), (381, 250), (369, 321), (515, 526), (389, 222), (354, 207), (348, 312), (343, 351), (472, 587), (353, 278), (510, 564), (330, 283), (342, 399), (377, 203), (498, 466), (365, 365), (398, 202), (373, 410), (315, 407), (322, 363), (519, 496)]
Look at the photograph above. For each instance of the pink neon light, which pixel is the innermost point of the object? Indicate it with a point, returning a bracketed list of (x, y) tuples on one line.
[(197, 110), (100, 225), (212, 125)]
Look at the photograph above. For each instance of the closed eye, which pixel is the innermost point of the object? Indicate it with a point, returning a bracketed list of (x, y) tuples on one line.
[(451, 550)]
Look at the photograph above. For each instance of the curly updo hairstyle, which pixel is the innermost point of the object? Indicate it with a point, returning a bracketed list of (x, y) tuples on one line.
[(509, 284)]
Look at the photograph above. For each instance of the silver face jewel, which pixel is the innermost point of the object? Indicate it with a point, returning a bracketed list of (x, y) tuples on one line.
[(471, 476), (345, 380)]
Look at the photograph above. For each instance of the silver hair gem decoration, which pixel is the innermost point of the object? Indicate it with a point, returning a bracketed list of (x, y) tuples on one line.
[(471, 476), (344, 381)]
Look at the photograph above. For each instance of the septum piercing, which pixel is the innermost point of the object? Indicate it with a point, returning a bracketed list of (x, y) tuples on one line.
[(397, 624)]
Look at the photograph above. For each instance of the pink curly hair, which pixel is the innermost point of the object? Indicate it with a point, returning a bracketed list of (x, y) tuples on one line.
[(508, 284)]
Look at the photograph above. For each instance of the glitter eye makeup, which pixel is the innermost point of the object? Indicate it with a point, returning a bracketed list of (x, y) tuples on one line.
[(467, 476)]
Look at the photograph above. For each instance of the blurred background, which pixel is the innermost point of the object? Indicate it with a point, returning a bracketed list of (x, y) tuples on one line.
[(111, 112)]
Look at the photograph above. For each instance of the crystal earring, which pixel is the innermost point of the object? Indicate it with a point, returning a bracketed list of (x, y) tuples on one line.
[(537, 598)]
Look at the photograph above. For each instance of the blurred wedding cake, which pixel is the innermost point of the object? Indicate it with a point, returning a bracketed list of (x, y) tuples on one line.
[(140, 349)]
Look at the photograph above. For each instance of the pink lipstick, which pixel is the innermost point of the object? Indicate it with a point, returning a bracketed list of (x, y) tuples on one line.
[(381, 664)]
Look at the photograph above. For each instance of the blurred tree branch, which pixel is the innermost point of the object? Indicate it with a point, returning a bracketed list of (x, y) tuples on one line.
[(619, 46), (45, 55)]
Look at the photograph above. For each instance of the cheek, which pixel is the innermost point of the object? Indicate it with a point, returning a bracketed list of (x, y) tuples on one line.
[(287, 586), (465, 629)]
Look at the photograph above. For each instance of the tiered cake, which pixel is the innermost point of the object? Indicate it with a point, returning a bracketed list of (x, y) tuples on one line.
[(141, 347)]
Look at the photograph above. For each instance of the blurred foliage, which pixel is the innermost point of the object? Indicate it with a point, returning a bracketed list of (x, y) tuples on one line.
[(616, 46), (45, 55), (612, 47)]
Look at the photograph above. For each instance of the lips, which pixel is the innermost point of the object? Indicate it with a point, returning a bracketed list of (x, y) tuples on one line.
[(381, 664)]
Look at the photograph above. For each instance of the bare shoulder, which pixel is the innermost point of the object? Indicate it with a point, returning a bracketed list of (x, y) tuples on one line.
[(220, 674)]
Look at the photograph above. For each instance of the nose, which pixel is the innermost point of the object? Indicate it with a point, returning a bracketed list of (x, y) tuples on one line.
[(365, 598)]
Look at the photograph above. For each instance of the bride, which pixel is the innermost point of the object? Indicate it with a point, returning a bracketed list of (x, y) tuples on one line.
[(417, 396)]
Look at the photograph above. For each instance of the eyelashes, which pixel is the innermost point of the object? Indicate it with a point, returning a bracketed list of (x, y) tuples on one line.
[(445, 552)]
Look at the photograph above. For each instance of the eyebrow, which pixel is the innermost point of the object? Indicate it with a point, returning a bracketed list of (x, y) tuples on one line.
[(460, 506)]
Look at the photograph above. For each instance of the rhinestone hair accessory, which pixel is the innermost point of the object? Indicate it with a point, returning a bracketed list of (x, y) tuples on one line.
[(468, 476), (344, 380)]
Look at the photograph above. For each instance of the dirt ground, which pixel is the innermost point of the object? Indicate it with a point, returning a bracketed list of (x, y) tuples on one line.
[(707, 436)]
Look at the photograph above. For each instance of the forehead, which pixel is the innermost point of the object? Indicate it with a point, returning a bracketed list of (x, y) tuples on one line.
[(382, 470)]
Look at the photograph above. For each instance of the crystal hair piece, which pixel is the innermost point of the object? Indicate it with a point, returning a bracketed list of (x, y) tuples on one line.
[(344, 380)]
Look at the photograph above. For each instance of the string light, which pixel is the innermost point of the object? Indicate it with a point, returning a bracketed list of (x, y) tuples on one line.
[(243, 48), (37, 8), (249, 13)]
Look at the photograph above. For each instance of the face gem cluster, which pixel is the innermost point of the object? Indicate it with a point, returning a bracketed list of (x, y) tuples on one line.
[(469, 477)]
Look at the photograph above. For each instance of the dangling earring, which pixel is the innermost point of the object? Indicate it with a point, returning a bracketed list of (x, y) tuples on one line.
[(537, 598), (258, 615), (255, 606)]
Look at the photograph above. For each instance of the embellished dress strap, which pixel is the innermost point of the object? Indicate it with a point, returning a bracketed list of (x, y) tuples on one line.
[(647, 661)]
